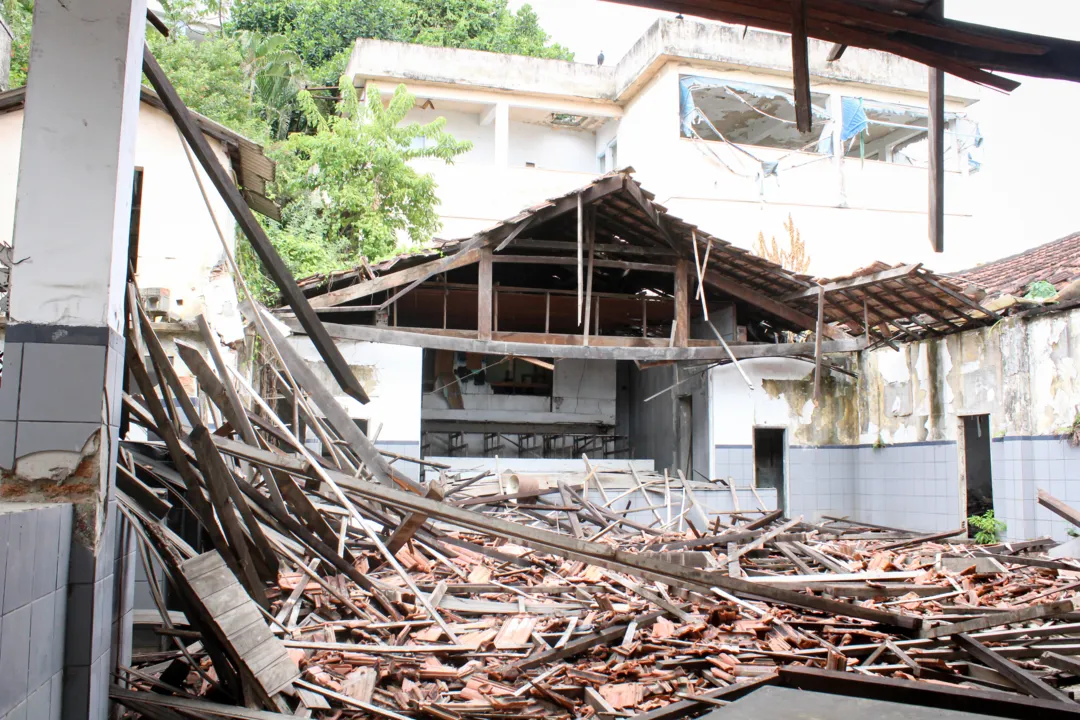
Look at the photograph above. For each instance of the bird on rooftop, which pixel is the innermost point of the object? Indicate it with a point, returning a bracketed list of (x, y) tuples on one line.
[(600, 58)]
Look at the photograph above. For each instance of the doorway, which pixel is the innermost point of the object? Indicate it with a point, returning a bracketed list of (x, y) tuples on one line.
[(769, 462), (976, 481)]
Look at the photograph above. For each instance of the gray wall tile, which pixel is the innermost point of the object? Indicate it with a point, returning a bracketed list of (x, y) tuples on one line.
[(19, 581), (9, 391), (57, 383), (43, 665), (14, 657), (46, 551), (42, 436), (38, 704)]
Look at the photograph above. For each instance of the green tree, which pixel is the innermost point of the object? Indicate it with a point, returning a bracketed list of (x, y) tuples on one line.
[(19, 15), (274, 74), (350, 183), (322, 32), (210, 78)]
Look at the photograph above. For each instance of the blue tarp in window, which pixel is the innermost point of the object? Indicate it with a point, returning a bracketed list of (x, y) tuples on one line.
[(689, 83)]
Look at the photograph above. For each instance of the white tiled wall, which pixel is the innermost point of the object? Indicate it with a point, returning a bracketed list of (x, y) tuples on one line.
[(1022, 467)]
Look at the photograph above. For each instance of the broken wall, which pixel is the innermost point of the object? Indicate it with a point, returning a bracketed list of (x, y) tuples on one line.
[(1022, 372), (883, 447)]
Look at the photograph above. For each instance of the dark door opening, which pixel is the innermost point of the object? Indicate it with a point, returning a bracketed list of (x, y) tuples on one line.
[(975, 469), (769, 461)]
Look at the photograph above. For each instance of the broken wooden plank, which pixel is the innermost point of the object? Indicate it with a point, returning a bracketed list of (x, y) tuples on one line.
[(1020, 677), (1034, 612)]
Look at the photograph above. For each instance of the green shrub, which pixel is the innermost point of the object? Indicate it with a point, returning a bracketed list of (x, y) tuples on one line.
[(988, 528)]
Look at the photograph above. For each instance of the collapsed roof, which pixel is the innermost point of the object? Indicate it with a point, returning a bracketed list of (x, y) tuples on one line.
[(636, 236)]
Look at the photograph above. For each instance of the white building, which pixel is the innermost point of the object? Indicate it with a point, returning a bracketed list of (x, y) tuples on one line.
[(181, 266), (543, 127)]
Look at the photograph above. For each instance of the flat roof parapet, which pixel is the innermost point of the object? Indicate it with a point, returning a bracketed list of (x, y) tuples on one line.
[(695, 42)]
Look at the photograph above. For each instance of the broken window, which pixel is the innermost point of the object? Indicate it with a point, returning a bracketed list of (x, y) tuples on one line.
[(747, 113), (895, 133)]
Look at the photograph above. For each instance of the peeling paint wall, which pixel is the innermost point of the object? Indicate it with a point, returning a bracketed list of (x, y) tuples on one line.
[(883, 447), (1022, 372)]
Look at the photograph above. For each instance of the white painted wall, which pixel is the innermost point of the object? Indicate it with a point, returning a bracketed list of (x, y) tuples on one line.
[(736, 410), (551, 148), (848, 216), (178, 245), (391, 376), (878, 212), (585, 387)]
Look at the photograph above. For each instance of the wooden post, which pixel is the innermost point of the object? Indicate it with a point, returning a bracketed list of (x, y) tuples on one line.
[(580, 243), (547, 312), (817, 343), (590, 231), (800, 67), (483, 296), (272, 263), (644, 317), (936, 146), (682, 303)]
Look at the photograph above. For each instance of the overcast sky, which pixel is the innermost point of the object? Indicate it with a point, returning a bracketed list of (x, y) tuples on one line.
[(1027, 192)]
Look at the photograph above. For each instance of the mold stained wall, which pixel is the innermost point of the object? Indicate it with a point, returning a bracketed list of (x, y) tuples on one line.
[(1022, 372), (884, 447)]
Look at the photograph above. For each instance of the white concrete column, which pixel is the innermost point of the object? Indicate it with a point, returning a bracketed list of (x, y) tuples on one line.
[(502, 135), (64, 351)]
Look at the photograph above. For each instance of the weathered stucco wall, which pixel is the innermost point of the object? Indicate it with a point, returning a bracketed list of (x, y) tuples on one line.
[(1021, 371), (884, 447)]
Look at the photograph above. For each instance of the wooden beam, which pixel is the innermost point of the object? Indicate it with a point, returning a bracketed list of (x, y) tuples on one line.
[(580, 242), (605, 556), (959, 296), (855, 282), (608, 351), (412, 522), (555, 260), (767, 304), (836, 52), (483, 296), (682, 302), (469, 252), (1034, 612), (936, 145), (817, 343), (273, 264), (388, 282), (609, 248), (1059, 508), (590, 233), (1021, 678), (333, 411), (938, 696), (800, 67)]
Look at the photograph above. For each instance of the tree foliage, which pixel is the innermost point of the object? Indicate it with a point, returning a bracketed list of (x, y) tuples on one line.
[(19, 15), (210, 78), (350, 180), (322, 32), (344, 180)]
